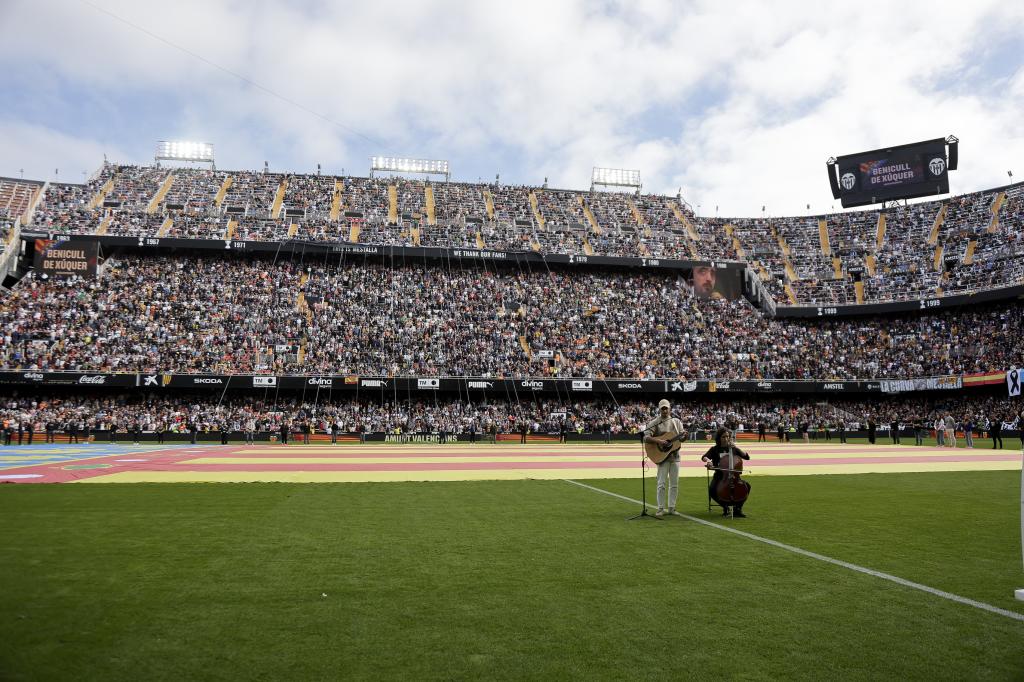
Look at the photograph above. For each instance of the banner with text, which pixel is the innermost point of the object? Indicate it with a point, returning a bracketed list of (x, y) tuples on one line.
[(66, 257)]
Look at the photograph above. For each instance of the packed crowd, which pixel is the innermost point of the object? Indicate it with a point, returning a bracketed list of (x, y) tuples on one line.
[(190, 314), (356, 316), (959, 244), (176, 413)]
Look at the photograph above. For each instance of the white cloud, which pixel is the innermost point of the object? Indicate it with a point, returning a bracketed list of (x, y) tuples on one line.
[(738, 103), (46, 154)]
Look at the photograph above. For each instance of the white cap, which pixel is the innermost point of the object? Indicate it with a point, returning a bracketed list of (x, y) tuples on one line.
[(664, 403)]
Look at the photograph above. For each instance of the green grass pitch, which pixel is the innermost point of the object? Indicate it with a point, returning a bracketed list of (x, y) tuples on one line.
[(508, 580)]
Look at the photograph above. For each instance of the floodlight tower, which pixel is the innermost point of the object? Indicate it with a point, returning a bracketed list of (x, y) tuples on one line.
[(615, 177), (390, 164), (181, 150)]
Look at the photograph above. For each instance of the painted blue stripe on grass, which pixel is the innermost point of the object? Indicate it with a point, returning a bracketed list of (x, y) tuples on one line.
[(15, 456)]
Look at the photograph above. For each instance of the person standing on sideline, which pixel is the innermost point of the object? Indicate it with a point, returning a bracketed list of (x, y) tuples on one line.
[(668, 469), (950, 426), (841, 425), (872, 427), (918, 431), (995, 430), (969, 432), (894, 431), (284, 432), (940, 431)]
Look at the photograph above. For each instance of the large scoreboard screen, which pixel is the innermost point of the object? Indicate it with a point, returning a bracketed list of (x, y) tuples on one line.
[(904, 172)]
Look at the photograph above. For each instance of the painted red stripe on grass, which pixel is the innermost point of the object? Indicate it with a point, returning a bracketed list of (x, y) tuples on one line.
[(363, 454)]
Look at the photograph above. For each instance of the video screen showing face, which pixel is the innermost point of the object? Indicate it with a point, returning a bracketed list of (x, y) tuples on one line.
[(709, 281)]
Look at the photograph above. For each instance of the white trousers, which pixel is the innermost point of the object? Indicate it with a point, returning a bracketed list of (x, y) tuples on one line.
[(668, 477)]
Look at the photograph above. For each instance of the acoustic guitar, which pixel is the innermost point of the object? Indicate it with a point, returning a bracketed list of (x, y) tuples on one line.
[(658, 453)]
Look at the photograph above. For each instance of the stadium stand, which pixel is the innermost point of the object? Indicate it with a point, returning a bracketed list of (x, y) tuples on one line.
[(228, 314), (931, 249), (17, 197), (96, 413), (231, 313)]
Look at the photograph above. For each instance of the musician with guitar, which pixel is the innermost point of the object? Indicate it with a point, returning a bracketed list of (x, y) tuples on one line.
[(662, 436), (727, 488)]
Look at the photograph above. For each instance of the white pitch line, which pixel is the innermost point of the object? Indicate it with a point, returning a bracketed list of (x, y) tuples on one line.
[(821, 557)]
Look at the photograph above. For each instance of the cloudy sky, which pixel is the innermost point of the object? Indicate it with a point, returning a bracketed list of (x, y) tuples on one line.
[(739, 104)]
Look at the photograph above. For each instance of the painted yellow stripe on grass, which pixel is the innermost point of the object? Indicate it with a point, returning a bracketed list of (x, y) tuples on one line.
[(879, 468), (510, 475), (346, 476), (420, 447)]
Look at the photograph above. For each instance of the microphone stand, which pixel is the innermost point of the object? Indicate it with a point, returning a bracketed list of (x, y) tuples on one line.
[(643, 488), (707, 470)]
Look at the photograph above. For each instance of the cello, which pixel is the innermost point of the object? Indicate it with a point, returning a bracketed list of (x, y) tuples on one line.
[(728, 488), (731, 489)]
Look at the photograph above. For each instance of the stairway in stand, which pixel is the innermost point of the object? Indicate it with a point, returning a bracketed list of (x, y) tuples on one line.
[(691, 232), (428, 201), (536, 210), (275, 208), (97, 201), (933, 235), (591, 218), (339, 187), (393, 204), (165, 187), (969, 252), (826, 245), (223, 191), (997, 204)]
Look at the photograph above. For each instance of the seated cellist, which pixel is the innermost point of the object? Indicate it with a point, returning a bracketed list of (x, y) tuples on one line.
[(717, 458)]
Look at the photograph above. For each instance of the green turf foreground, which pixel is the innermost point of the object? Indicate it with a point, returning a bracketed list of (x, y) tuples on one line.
[(508, 580)]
